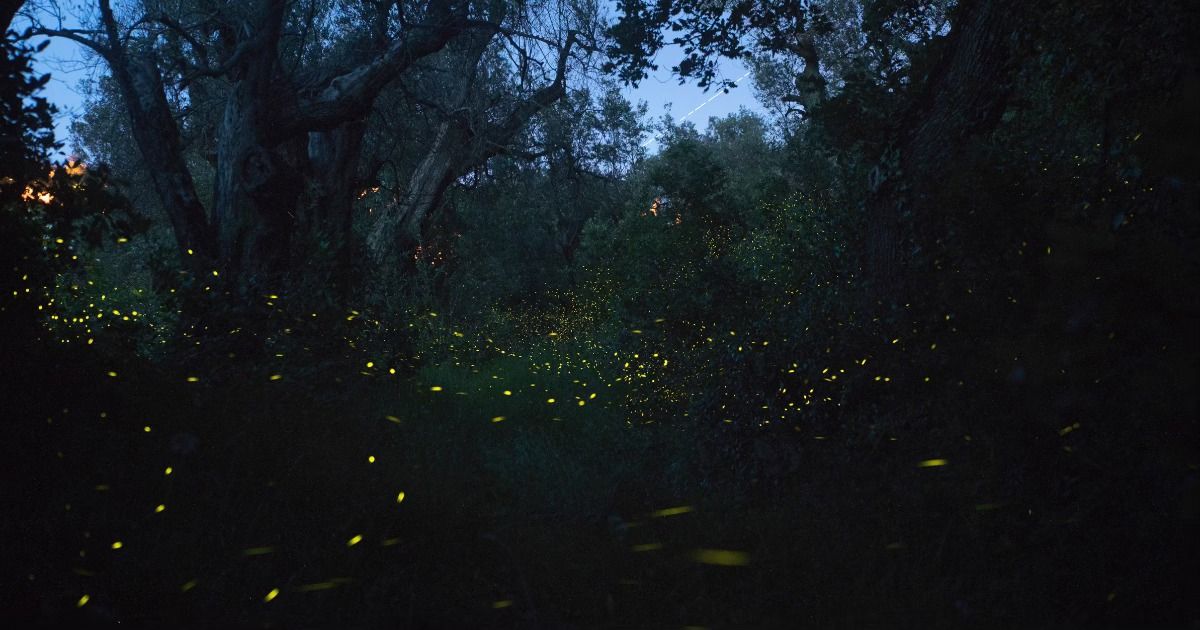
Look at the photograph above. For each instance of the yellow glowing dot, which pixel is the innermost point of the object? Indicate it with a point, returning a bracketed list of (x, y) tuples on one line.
[(354, 541), (550, 401), (582, 403), (400, 498), (168, 471), (721, 557), (112, 374), (932, 463), (507, 393), (190, 252), (159, 508), (215, 272), (82, 601), (391, 370), (118, 544), (90, 341), (435, 388), (276, 377), (683, 509), (146, 428), (498, 419), (271, 595), (592, 397), (370, 364), (371, 459), (193, 379)]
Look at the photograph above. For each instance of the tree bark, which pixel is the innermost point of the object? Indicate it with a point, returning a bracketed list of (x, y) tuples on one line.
[(273, 135), (964, 95), (157, 135), (427, 186), (351, 94), (457, 148), (334, 168)]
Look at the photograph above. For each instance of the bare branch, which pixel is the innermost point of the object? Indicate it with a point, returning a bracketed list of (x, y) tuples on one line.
[(541, 99), (182, 31), (77, 36)]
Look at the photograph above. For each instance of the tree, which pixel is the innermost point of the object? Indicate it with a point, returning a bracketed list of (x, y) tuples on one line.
[(281, 92), (26, 136), (960, 93), (474, 124), (708, 31), (49, 214), (8, 9)]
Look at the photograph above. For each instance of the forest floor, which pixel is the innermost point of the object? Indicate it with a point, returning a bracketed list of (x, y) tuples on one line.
[(458, 498)]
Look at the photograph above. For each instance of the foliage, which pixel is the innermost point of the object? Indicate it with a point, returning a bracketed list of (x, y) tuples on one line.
[(621, 389)]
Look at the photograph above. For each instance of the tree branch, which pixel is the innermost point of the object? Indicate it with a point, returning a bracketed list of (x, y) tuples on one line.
[(541, 99), (351, 94), (179, 29), (110, 25), (77, 36)]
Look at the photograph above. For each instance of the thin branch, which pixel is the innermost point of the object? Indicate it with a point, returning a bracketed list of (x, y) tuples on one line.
[(176, 27), (75, 35), (540, 100)]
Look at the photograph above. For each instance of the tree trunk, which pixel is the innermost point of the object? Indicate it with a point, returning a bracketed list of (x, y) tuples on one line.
[(263, 137), (399, 229), (157, 136), (255, 191), (333, 167), (963, 96), (458, 147)]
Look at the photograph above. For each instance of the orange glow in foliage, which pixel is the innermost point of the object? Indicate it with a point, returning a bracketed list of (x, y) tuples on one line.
[(29, 195)]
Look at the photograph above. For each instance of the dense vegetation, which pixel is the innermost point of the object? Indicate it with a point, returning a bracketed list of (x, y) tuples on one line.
[(381, 313)]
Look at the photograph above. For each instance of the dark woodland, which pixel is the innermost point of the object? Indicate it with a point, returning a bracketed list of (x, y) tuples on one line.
[(400, 313)]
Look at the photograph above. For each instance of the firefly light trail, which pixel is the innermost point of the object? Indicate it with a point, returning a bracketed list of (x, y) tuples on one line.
[(711, 98), (700, 106)]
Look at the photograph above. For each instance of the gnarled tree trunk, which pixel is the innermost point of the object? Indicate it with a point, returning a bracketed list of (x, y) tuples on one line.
[(333, 159), (457, 148), (255, 195), (963, 96), (157, 135), (399, 230)]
